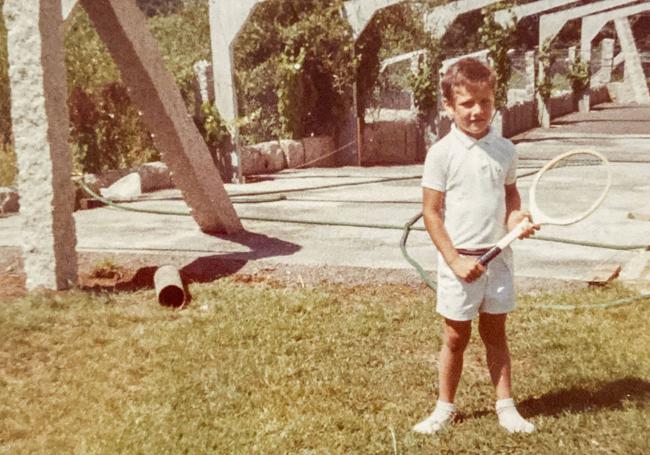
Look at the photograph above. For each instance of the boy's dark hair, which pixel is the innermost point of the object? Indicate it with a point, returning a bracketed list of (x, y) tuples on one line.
[(467, 71)]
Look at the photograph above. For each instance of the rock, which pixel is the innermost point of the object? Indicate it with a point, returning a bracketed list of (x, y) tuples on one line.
[(154, 176), (8, 200), (127, 188)]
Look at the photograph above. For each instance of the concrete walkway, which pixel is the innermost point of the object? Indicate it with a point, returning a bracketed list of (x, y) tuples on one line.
[(387, 197)]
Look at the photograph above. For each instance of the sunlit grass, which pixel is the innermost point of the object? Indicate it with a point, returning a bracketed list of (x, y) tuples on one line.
[(261, 369)]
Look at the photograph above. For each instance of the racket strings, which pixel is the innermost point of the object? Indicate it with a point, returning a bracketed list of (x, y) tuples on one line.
[(571, 187)]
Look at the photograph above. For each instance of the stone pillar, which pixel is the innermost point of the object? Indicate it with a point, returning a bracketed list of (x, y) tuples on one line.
[(40, 125), (203, 86), (529, 61), (634, 75), (604, 75), (123, 28), (543, 106), (571, 54)]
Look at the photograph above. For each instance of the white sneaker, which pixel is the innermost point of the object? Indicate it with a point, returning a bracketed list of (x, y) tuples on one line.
[(435, 422)]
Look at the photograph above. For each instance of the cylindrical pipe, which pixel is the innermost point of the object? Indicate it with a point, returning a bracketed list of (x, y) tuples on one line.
[(169, 286)]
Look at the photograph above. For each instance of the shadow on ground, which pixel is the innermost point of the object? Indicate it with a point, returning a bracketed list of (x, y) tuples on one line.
[(208, 268), (607, 395)]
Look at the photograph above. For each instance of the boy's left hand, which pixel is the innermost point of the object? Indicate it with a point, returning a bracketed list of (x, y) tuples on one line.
[(516, 217)]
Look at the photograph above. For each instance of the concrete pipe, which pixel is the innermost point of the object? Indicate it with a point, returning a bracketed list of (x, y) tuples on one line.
[(169, 286)]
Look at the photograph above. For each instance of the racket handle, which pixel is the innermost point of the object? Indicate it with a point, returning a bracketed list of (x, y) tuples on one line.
[(504, 242)]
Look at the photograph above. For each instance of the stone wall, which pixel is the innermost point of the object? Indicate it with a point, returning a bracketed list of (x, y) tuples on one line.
[(392, 142), (562, 104), (274, 156), (518, 118)]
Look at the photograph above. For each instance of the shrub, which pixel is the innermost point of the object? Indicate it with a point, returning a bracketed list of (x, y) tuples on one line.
[(578, 75)]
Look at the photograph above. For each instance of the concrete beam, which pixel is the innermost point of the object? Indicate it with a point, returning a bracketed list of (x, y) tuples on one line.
[(591, 25), (360, 12), (530, 9), (633, 68), (40, 125), (438, 20), (66, 7), (123, 28), (227, 17), (551, 24)]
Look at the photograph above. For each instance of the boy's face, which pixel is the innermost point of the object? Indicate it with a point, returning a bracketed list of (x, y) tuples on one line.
[(472, 108)]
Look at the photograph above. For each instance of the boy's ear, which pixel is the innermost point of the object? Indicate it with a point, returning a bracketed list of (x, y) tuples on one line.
[(449, 106)]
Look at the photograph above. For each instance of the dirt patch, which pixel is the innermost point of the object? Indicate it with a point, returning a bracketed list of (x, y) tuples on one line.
[(131, 272)]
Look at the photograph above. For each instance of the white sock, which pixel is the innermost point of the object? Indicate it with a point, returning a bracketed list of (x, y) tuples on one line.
[(510, 419), (441, 416)]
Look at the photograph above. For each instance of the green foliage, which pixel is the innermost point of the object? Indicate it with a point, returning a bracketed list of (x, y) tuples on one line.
[(267, 54), (217, 138), (498, 40), (106, 131), (7, 165), (291, 95), (578, 75), (424, 82), (546, 58)]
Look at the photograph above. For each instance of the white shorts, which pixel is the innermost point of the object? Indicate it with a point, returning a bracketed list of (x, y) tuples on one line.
[(492, 293)]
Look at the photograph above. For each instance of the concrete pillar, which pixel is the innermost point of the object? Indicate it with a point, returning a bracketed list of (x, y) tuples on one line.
[(40, 125), (633, 68), (203, 86), (360, 12), (571, 54), (551, 24), (438, 20), (529, 9), (604, 74), (123, 28), (529, 61), (543, 106)]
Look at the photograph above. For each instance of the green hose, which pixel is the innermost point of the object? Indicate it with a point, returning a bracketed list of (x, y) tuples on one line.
[(406, 228)]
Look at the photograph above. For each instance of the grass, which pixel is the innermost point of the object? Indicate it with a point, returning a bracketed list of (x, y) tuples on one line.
[(252, 368), (7, 165)]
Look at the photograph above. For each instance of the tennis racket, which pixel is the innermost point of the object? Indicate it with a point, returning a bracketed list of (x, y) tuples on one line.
[(566, 190)]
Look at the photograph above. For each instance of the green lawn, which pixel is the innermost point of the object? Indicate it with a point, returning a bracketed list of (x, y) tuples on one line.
[(253, 368)]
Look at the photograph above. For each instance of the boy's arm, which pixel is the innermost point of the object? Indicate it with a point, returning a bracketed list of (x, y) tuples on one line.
[(514, 214), (466, 268)]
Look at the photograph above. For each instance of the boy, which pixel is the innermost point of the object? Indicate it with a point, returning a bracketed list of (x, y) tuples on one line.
[(470, 200)]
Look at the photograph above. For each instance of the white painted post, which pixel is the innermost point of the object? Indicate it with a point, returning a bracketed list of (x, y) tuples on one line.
[(40, 126)]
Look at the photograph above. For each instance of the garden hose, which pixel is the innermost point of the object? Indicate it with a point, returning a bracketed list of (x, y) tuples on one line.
[(426, 276), (406, 229)]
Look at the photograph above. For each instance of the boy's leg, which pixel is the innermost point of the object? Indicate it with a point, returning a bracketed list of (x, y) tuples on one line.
[(450, 367), (456, 337), (492, 328)]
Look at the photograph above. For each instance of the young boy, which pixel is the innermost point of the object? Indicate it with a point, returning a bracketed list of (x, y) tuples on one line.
[(470, 200)]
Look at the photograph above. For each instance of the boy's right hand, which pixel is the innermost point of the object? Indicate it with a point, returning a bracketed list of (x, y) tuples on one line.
[(466, 268)]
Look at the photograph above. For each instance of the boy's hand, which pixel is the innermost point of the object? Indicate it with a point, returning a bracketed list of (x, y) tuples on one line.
[(516, 217), (466, 268)]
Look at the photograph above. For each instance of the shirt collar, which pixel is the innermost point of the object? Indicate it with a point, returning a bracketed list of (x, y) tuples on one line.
[(468, 141)]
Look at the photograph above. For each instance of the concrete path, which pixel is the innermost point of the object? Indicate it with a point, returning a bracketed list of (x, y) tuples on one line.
[(278, 234)]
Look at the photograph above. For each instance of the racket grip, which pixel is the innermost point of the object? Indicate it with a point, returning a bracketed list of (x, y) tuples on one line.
[(504, 242)]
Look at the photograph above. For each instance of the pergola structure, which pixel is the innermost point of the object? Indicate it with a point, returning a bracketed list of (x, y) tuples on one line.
[(40, 125), (40, 117)]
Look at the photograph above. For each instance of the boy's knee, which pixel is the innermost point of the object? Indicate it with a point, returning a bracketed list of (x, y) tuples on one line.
[(493, 338), (457, 340)]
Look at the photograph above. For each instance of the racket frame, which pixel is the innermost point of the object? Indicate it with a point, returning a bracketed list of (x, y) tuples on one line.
[(540, 217)]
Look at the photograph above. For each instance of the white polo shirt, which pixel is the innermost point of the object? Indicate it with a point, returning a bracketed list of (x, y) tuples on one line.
[(472, 174)]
